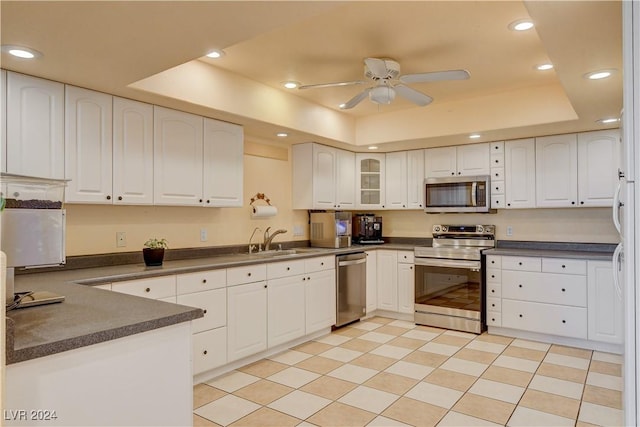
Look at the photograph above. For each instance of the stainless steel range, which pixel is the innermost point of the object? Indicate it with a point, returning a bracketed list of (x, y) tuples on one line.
[(449, 288)]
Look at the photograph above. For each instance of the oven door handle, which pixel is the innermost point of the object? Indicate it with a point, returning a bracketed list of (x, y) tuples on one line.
[(454, 263)]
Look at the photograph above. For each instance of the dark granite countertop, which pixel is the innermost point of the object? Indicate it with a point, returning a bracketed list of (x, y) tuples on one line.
[(541, 253)]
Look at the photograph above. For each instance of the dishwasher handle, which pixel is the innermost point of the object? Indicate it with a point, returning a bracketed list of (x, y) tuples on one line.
[(352, 262)]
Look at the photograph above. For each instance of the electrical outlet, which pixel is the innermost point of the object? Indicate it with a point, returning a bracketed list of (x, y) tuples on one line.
[(297, 230), (203, 234), (509, 230), (121, 239)]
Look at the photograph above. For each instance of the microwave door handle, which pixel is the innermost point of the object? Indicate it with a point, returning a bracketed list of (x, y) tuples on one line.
[(474, 195)]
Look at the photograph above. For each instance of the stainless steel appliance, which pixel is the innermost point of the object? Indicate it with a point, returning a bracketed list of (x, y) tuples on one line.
[(367, 229), (449, 285), (458, 194), (351, 287), (330, 229)]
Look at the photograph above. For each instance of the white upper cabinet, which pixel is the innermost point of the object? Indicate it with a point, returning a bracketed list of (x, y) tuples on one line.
[(396, 180), (557, 171), (415, 179), (132, 152), (34, 150), (177, 155), (3, 121), (370, 175), (323, 177), (88, 146), (520, 173), (223, 163), (463, 160), (598, 154)]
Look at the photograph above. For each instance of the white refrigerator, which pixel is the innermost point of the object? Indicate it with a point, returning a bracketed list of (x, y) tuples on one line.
[(626, 209)]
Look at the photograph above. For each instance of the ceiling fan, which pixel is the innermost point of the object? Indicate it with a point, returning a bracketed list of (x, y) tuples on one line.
[(385, 74)]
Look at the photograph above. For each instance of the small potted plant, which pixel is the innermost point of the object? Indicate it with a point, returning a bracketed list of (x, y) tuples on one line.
[(153, 251)]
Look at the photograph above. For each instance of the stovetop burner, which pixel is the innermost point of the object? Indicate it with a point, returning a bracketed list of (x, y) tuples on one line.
[(458, 242)]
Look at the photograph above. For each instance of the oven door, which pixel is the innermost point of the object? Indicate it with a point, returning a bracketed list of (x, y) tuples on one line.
[(449, 294)]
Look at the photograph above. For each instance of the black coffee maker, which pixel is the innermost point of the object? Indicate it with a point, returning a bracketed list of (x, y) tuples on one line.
[(367, 229)]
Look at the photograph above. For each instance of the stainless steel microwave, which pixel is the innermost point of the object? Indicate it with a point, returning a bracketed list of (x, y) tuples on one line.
[(458, 194)]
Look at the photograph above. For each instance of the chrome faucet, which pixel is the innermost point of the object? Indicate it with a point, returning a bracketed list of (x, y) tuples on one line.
[(253, 247), (269, 238)]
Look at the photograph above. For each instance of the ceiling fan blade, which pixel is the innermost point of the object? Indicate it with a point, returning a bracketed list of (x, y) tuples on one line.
[(320, 85), (355, 100), (435, 76), (377, 67), (413, 95)]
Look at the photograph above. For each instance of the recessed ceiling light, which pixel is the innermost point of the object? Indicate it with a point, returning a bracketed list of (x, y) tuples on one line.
[(544, 67), (215, 53), (21, 51), (342, 106), (282, 134), (291, 84), (521, 25), (600, 74), (608, 120), (474, 136), (372, 147)]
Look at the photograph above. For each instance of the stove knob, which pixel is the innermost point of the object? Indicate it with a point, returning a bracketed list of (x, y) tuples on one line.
[(445, 228), (480, 229), (436, 229)]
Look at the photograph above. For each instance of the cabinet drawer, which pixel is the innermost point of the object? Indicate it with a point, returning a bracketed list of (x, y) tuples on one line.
[(564, 266), (497, 174), (494, 290), (545, 287), (494, 304), (498, 201), (497, 160), (209, 350), (494, 275), (405, 257), (494, 261), (497, 147), (521, 263), (247, 274), (214, 305), (155, 288), (319, 263), (494, 319), (285, 268), (545, 318), (497, 187), (201, 281)]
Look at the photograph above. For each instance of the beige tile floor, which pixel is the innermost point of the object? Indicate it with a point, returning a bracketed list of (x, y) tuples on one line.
[(385, 372)]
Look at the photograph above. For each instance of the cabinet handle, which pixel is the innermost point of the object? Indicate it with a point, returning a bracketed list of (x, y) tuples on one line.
[(249, 274), (200, 200), (288, 268), (564, 266), (304, 278), (582, 202), (411, 267), (508, 204), (204, 311), (265, 286), (493, 262), (208, 201), (520, 315), (459, 173), (573, 202), (453, 173), (493, 276), (119, 197), (147, 290), (564, 321), (204, 280), (322, 263), (563, 289), (204, 352), (308, 278), (493, 319), (493, 305), (493, 290), (108, 197), (519, 286), (519, 263)]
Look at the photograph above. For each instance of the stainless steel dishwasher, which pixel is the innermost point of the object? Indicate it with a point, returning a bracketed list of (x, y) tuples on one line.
[(351, 287)]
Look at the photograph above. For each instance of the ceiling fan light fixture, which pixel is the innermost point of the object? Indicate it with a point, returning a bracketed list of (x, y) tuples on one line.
[(521, 25), (382, 94)]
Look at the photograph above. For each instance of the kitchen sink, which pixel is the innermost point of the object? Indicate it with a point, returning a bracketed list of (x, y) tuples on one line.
[(284, 252)]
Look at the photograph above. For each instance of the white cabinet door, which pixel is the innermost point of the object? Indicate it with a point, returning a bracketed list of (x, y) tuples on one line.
[(285, 309), (324, 176), (387, 280), (406, 288), (132, 152), (557, 171), (320, 300), (209, 350), (3, 121), (370, 176), (520, 173), (223, 164), (345, 180), (396, 180), (439, 162), (415, 179), (88, 146), (372, 280), (35, 150), (605, 308), (597, 167), (177, 155), (473, 159), (214, 305), (246, 320)]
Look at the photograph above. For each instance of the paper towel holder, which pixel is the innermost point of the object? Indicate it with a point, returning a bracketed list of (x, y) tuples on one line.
[(262, 211), (260, 196)]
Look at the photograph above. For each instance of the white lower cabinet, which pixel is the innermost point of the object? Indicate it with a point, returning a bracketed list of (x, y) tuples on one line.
[(209, 350), (406, 282), (545, 318), (213, 304), (246, 320), (387, 280), (320, 300), (154, 287), (606, 317), (285, 309), (372, 280)]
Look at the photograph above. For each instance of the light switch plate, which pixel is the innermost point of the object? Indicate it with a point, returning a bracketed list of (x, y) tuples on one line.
[(121, 239)]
